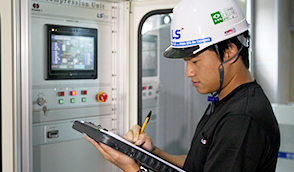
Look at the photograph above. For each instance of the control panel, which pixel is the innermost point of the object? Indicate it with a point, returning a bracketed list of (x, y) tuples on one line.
[(49, 102), (63, 97), (73, 50), (149, 90), (71, 44)]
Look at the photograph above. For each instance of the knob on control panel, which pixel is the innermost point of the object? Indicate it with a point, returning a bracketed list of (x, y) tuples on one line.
[(101, 97), (41, 101)]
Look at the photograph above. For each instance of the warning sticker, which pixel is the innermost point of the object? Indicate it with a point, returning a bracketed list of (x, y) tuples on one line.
[(224, 15)]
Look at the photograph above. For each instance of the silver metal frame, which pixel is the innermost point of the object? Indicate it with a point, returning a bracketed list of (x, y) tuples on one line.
[(22, 105), (122, 64), (16, 68)]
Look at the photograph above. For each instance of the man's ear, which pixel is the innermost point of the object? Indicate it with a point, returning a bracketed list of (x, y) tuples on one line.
[(230, 52)]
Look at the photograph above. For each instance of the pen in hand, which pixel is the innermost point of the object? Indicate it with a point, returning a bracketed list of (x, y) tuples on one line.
[(146, 121)]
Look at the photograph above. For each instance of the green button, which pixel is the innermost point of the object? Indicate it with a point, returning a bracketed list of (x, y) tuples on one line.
[(61, 101), (84, 99), (72, 100)]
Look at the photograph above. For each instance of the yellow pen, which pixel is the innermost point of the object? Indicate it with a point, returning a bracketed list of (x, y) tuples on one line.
[(146, 121)]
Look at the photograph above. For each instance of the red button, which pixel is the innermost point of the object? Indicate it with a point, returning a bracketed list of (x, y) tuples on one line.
[(61, 93), (101, 97), (84, 92)]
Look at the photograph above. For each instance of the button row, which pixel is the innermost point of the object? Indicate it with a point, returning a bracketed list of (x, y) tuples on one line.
[(72, 93), (73, 100), (147, 88), (100, 97), (149, 93)]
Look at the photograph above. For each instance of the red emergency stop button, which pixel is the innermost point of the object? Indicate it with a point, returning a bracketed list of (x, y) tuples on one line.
[(101, 97)]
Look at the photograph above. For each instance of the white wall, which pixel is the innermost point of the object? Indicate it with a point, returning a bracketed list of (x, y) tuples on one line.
[(272, 48)]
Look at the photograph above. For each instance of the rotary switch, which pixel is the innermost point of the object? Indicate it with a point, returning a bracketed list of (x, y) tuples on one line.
[(101, 97)]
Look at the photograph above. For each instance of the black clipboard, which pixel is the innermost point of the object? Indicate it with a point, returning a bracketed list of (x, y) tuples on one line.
[(118, 143)]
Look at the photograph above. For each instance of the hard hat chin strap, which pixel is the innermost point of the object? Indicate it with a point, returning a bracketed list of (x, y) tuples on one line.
[(214, 97)]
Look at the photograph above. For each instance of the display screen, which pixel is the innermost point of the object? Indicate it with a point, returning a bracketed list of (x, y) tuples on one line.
[(72, 52), (149, 55)]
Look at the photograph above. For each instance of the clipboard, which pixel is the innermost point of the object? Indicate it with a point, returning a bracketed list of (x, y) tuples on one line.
[(118, 143)]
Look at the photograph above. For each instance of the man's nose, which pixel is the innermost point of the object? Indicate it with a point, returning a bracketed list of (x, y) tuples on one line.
[(190, 71)]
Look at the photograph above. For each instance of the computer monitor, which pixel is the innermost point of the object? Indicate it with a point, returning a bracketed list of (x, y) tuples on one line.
[(71, 52)]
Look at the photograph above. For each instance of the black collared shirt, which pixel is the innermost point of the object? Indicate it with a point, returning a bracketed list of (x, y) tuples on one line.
[(241, 134)]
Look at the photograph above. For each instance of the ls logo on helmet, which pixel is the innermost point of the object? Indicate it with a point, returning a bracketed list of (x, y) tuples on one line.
[(176, 34)]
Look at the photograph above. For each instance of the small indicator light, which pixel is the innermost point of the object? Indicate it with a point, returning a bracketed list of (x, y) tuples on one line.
[(61, 93), (52, 29), (84, 99), (73, 93), (72, 100), (60, 101), (84, 92), (55, 29)]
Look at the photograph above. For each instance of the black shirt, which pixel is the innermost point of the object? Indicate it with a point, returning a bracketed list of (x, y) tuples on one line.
[(241, 135)]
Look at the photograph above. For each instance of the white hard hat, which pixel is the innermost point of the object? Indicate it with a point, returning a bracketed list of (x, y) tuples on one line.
[(197, 24)]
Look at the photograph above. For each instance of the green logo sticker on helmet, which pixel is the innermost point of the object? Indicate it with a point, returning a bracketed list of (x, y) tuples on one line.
[(224, 15), (217, 17)]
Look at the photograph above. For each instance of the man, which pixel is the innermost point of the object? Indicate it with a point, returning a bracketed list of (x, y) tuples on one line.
[(238, 131)]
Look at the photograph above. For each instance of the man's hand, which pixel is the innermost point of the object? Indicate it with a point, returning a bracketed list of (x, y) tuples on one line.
[(138, 139), (117, 158)]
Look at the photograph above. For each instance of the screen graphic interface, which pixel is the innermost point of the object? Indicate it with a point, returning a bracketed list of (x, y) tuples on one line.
[(72, 52)]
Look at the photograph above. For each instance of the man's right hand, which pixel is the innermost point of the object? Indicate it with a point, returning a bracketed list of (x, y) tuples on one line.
[(138, 139), (145, 141)]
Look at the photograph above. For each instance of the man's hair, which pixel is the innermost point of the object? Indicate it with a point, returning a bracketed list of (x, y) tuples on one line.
[(223, 45)]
